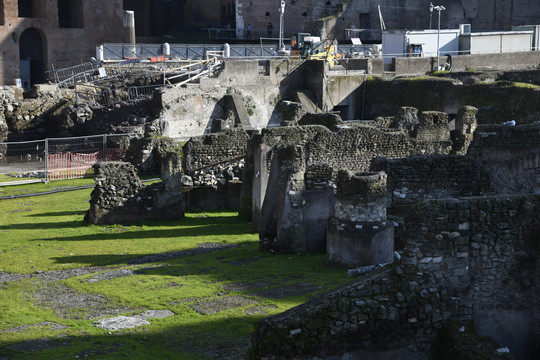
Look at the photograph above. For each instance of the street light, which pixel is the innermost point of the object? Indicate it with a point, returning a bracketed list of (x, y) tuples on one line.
[(439, 8), (430, 14), (281, 13)]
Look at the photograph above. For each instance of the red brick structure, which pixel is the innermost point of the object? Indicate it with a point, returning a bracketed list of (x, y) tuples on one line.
[(38, 34)]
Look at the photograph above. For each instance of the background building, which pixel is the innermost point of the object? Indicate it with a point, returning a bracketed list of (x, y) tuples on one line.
[(37, 34)]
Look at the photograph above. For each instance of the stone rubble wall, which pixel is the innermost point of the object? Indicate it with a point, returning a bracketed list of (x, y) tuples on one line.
[(464, 259), (424, 177), (214, 158), (325, 152), (120, 197), (510, 155), (361, 197)]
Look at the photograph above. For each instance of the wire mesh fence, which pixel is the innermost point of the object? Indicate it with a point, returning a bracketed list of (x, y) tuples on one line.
[(61, 158)]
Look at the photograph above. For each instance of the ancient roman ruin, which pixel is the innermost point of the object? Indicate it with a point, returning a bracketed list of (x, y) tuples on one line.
[(433, 202)]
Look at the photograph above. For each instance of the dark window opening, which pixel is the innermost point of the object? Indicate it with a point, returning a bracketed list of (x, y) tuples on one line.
[(364, 21), (1, 12), (31, 8), (304, 13), (267, 13), (70, 14)]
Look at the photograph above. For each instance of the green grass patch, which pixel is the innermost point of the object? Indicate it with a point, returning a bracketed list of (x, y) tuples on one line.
[(60, 274)]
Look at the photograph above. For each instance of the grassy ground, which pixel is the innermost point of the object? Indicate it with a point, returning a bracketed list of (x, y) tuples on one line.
[(59, 275)]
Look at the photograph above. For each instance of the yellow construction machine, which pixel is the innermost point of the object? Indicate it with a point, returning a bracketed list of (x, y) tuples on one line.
[(305, 46)]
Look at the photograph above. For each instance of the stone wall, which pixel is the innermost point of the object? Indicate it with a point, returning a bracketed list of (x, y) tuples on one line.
[(208, 151), (322, 153), (465, 259), (510, 155), (425, 177), (496, 101), (120, 198)]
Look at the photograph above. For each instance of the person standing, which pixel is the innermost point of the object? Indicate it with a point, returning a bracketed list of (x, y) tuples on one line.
[(270, 28), (248, 31)]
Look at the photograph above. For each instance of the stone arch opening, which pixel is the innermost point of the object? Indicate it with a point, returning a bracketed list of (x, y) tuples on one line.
[(32, 59)]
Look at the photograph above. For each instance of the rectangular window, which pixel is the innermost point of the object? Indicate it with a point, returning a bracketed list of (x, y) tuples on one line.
[(2, 12), (71, 14), (31, 8)]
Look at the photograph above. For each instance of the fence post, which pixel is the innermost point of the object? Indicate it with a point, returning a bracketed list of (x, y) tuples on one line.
[(46, 160), (105, 146)]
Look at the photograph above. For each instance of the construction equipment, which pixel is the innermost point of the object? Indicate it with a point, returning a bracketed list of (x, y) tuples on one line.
[(305, 46)]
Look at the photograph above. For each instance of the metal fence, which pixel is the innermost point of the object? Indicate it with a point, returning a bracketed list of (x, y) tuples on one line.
[(199, 51), (60, 158)]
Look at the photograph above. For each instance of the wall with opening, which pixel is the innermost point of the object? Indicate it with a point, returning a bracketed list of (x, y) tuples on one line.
[(70, 14), (31, 8)]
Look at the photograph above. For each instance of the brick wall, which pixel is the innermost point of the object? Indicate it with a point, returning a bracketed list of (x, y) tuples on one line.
[(62, 47)]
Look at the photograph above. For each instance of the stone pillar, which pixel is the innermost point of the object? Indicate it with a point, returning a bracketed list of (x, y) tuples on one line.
[(359, 233), (465, 126), (129, 27)]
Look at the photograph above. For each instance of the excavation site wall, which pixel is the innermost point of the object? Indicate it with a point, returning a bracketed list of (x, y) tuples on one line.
[(465, 259)]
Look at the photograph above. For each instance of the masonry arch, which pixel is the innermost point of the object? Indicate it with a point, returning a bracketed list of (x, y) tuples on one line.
[(32, 58)]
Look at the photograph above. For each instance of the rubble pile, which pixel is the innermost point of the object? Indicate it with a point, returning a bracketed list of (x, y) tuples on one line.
[(219, 174)]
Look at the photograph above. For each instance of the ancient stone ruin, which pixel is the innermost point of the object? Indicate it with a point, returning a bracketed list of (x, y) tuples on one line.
[(120, 198), (359, 233)]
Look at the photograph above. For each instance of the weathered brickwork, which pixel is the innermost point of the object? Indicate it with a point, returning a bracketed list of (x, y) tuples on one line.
[(463, 258)]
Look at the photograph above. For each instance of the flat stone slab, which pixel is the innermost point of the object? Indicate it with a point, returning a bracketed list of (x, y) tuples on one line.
[(129, 322), (121, 322), (221, 304), (156, 314)]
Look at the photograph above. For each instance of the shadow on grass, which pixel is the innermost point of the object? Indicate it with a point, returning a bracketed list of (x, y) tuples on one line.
[(130, 259), (59, 213), (222, 225), (210, 339)]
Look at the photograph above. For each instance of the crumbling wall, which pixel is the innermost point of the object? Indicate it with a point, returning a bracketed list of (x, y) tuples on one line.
[(213, 166), (423, 177), (465, 259), (214, 158), (510, 155), (352, 148), (120, 197)]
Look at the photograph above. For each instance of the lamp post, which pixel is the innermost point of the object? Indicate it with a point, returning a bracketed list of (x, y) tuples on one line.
[(281, 13), (439, 9), (430, 14)]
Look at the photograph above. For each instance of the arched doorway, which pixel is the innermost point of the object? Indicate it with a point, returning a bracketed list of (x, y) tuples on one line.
[(31, 51)]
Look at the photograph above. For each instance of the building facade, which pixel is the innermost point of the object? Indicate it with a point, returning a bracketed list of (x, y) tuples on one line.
[(37, 35)]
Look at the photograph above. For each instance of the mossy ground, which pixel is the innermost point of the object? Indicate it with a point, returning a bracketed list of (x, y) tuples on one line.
[(60, 274)]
